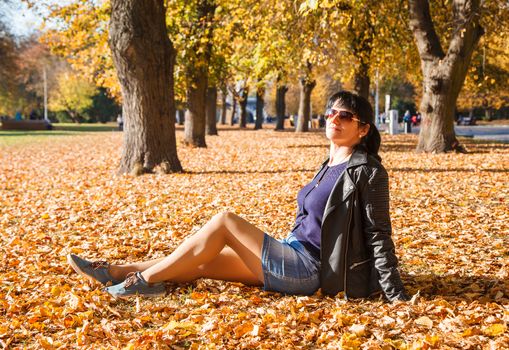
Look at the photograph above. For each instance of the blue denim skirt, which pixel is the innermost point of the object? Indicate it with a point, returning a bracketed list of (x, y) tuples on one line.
[(288, 267)]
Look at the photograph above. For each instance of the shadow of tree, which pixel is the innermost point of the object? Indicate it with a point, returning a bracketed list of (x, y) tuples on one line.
[(484, 289), (466, 170), (397, 147), (250, 171), (307, 146)]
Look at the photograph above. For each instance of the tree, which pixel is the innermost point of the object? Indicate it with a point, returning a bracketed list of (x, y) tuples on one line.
[(144, 58), (104, 108), (281, 90), (73, 95), (443, 72), (211, 110), (242, 97), (361, 36), (306, 88), (191, 24), (78, 31), (22, 62), (486, 81), (260, 103), (8, 71)]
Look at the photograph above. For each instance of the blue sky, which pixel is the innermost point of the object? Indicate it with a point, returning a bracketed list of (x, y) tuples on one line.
[(20, 20)]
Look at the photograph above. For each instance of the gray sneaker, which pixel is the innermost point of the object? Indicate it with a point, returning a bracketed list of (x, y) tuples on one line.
[(135, 284), (95, 270)]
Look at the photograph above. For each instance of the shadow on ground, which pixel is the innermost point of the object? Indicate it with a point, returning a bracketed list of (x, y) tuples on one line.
[(282, 171), (484, 289)]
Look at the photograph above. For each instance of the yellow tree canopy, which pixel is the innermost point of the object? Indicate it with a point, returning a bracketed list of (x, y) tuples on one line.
[(73, 94)]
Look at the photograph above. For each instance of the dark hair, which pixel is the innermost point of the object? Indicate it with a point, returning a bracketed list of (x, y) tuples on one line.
[(361, 107)]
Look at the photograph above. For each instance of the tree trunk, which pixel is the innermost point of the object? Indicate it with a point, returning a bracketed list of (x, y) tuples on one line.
[(361, 80), (144, 59), (197, 67), (234, 110), (194, 128), (260, 103), (211, 110), (280, 107), (443, 73), (243, 109), (487, 114), (74, 116), (223, 107), (306, 87)]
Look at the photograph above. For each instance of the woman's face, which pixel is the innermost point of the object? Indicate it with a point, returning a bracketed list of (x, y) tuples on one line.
[(344, 132)]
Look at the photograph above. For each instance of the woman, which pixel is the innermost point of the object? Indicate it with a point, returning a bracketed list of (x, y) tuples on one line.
[(341, 240)]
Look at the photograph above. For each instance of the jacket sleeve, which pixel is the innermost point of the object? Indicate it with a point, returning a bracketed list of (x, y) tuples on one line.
[(377, 232)]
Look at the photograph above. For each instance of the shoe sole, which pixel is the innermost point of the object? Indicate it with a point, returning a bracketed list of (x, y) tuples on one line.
[(79, 271)]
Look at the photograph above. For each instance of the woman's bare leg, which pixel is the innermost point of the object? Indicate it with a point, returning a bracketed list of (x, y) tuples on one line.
[(218, 269), (119, 272), (221, 269), (202, 255)]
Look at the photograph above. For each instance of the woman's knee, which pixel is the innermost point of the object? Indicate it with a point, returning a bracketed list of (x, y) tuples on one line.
[(224, 217)]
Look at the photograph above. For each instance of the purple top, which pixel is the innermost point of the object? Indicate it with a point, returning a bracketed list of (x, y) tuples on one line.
[(311, 201)]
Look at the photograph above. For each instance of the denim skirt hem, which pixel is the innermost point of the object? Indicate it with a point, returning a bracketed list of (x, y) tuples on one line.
[(288, 267)]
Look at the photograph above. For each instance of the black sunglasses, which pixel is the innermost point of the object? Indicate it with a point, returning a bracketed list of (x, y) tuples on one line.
[(346, 116)]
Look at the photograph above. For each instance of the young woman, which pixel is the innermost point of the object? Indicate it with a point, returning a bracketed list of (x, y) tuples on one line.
[(341, 240)]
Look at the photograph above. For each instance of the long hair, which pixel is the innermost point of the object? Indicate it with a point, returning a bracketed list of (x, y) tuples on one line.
[(361, 107)]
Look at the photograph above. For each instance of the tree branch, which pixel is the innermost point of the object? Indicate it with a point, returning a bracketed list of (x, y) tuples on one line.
[(468, 31), (422, 26)]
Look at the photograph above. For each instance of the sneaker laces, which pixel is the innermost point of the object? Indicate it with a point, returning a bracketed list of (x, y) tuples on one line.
[(130, 279), (99, 264)]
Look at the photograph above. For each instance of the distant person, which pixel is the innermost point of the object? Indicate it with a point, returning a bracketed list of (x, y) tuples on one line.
[(341, 240), (120, 122), (18, 116), (321, 121), (459, 120), (383, 117), (407, 116), (33, 115)]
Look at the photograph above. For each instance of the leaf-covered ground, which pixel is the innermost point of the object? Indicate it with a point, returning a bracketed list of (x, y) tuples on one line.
[(58, 195)]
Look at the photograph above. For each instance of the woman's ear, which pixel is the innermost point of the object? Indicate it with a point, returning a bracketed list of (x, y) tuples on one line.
[(364, 130)]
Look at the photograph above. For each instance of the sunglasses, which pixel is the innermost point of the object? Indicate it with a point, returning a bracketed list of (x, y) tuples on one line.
[(346, 116)]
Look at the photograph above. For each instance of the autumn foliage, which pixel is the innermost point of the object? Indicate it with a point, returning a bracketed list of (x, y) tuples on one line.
[(60, 194)]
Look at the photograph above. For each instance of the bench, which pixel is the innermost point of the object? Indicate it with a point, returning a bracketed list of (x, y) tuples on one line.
[(11, 124)]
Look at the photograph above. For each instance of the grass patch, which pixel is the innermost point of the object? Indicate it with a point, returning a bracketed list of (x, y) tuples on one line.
[(20, 137), (85, 127)]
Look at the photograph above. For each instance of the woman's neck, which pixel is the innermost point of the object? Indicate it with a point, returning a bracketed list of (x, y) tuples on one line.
[(338, 154)]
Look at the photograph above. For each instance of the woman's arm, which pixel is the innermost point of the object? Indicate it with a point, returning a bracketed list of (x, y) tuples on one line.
[(377, 233)]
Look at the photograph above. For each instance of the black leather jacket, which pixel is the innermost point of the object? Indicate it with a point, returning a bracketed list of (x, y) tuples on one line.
[(357, 252)]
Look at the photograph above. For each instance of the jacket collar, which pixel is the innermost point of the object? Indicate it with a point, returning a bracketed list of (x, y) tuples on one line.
[(359, 157)]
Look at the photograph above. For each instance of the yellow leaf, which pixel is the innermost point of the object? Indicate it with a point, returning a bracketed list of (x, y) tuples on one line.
[(55, 291), (46, 342), (432, 340), (494, 329), (188, 326), (350, 341)]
